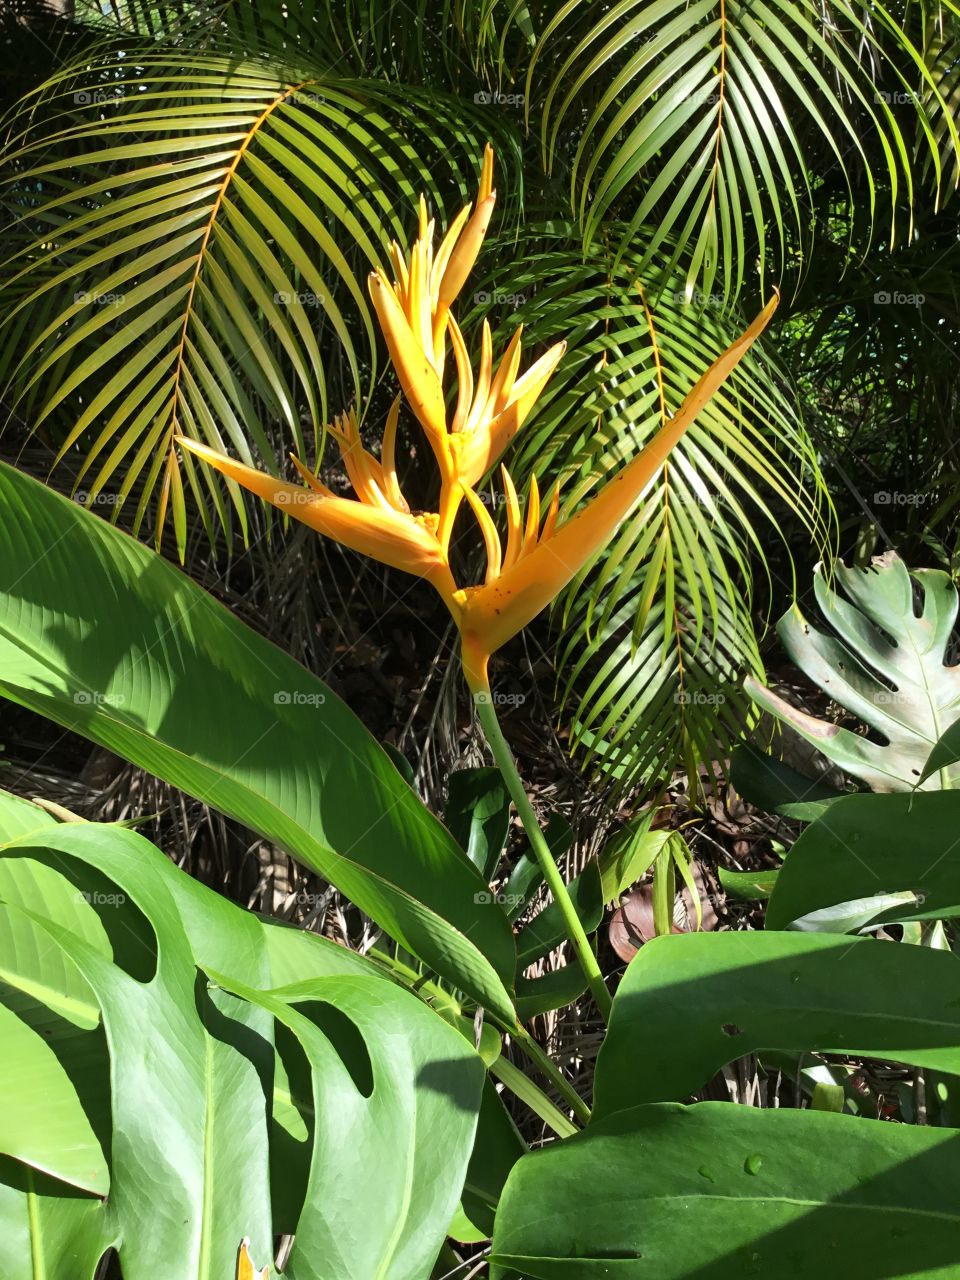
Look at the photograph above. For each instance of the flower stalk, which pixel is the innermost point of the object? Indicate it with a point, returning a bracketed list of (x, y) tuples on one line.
[(487, 715), (541, 556)]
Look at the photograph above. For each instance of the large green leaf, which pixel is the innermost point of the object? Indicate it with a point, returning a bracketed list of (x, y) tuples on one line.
[(477, 814), (391, 1088), (189, 1168), (770, 784), (396, 1100), (43, 1122), (886, 664), (497, 1147), (875, 845), (106, 638), (714, 1191), (688, 1005), (48, 1229)]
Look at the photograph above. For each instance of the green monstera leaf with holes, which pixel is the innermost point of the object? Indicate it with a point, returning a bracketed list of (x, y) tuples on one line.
[(169, 1091), (883, 659)]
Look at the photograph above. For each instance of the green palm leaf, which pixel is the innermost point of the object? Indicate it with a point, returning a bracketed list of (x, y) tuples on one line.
[(705, 127), (656, 636), (200, 265)]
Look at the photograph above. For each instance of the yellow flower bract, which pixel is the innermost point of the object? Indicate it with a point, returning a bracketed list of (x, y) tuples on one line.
[(539, 560)]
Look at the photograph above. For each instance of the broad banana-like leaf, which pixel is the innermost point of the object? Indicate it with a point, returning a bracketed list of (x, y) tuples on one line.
[(688, 1005), (885, 663), (667, 1192), (105, 637)]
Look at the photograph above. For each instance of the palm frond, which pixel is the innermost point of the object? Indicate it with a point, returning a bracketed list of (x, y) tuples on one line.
[(667, 609), (198, 263), (707, 126)]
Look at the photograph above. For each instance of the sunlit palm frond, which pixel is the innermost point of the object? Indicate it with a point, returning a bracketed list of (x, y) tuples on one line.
[(640, 708), (195, 236), (676, 584), (705, 127), (942, 58)]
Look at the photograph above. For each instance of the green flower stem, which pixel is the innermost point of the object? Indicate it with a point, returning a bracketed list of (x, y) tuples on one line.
[(551, 872)]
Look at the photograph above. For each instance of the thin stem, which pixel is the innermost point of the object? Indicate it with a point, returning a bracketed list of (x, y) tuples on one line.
[(551, 872), (525, 1041), (538, 1102)]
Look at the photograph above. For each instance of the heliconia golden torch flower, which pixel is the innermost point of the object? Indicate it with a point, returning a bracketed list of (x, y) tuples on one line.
[(539, 559), (379, 524), (245, 1267), (540, 562), (415, 317)]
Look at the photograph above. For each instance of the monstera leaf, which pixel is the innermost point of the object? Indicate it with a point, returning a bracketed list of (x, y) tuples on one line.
[(156, 1050), (884, 662)]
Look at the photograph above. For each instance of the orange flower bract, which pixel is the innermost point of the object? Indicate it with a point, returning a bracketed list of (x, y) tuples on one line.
[(539, 559)]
